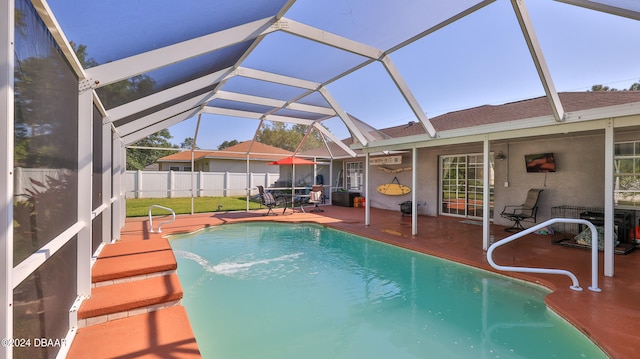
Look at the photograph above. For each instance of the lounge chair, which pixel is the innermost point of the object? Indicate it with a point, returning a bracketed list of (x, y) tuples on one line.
[(268, 201), (525, 212)]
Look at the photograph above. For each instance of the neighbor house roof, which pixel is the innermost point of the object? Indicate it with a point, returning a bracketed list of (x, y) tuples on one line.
[(257, 151)]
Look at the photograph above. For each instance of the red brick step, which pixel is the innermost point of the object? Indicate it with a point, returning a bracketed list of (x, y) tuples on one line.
[(165, 333), (117, 267), (125, 299)]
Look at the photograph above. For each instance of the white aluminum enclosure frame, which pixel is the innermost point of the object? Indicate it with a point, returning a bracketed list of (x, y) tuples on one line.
[(531, 39), (116, 137), (7, 16), (595, 5)]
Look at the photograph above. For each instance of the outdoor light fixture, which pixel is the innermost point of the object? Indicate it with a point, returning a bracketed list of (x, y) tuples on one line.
[(500, 156)]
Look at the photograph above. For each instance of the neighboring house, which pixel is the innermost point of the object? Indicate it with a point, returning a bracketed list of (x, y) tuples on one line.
[(234, 160), (230, 159)]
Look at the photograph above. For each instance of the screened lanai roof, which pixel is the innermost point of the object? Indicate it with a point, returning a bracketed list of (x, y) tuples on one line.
[(326, 64)]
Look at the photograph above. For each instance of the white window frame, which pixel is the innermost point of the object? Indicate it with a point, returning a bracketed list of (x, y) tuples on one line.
[(354, 173), (635, 156)]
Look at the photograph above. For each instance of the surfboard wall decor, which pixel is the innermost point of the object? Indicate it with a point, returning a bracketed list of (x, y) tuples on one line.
[(394, 188)]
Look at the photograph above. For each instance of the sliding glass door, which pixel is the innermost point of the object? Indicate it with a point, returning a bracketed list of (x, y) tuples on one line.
[(461, 184)]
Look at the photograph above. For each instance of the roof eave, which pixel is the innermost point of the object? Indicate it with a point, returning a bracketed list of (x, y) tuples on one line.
[(576, 121)]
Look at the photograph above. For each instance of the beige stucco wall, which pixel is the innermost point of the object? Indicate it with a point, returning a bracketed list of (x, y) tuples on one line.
[(166, 166), (578, 181), (216, 165)]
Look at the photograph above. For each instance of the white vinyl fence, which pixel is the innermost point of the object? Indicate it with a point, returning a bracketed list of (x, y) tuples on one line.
[(170, 184), (35, 179)]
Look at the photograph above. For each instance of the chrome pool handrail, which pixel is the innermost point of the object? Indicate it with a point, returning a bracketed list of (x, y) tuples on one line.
[(173, 214), (574, 279)]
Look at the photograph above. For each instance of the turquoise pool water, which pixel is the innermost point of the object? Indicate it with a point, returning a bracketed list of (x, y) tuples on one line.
[(269, 290)]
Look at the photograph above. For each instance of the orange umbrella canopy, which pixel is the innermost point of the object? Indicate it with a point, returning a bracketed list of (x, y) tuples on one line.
[(292, 160)]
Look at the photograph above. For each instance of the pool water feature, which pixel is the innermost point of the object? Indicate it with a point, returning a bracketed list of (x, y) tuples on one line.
[(270, 290)]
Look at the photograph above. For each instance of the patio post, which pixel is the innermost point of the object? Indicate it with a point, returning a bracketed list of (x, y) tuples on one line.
[(85, 190), (486, 225), (106, 181), (193, 148), (608, 198), (414, 195), (367, 203)]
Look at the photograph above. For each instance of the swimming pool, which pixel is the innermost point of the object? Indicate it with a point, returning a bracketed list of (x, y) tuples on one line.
[(270, 290)]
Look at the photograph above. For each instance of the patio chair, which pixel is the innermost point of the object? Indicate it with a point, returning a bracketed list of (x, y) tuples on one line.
[(315, 198), (268, 201), (525, 212), (319, 187)]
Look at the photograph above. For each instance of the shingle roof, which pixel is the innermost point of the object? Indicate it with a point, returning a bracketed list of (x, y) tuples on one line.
[(531, 108), (481, 115), (259, 152)]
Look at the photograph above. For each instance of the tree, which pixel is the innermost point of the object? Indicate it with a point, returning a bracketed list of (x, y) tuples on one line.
[(139, 158), (122, 92), (596, 88), (288, 137), (633, 87), (83, 55), (188, 143), (226, 144), (45, 98)]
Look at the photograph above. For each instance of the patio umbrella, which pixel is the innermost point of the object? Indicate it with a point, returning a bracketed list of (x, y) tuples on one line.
[(293, 161)]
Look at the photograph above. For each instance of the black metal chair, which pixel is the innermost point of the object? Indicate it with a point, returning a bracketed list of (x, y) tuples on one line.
[(268, 201), (525, 212)]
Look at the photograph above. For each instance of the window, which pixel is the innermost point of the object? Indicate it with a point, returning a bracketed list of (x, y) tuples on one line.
[(626, 177), (174, 168), (354, 176)]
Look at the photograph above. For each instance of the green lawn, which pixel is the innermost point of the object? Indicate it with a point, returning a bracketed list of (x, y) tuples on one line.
[(140, 206)]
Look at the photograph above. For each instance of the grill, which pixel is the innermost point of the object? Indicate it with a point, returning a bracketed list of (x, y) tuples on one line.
[(405, 208)]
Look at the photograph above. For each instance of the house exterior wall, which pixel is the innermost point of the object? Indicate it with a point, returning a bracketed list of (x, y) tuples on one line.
[(304, 174), (221, 165), (166, 166), (378, 177), (229, 165), (578, 181)]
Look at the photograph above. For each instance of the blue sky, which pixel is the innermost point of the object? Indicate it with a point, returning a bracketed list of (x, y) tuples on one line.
[(481, 59)]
